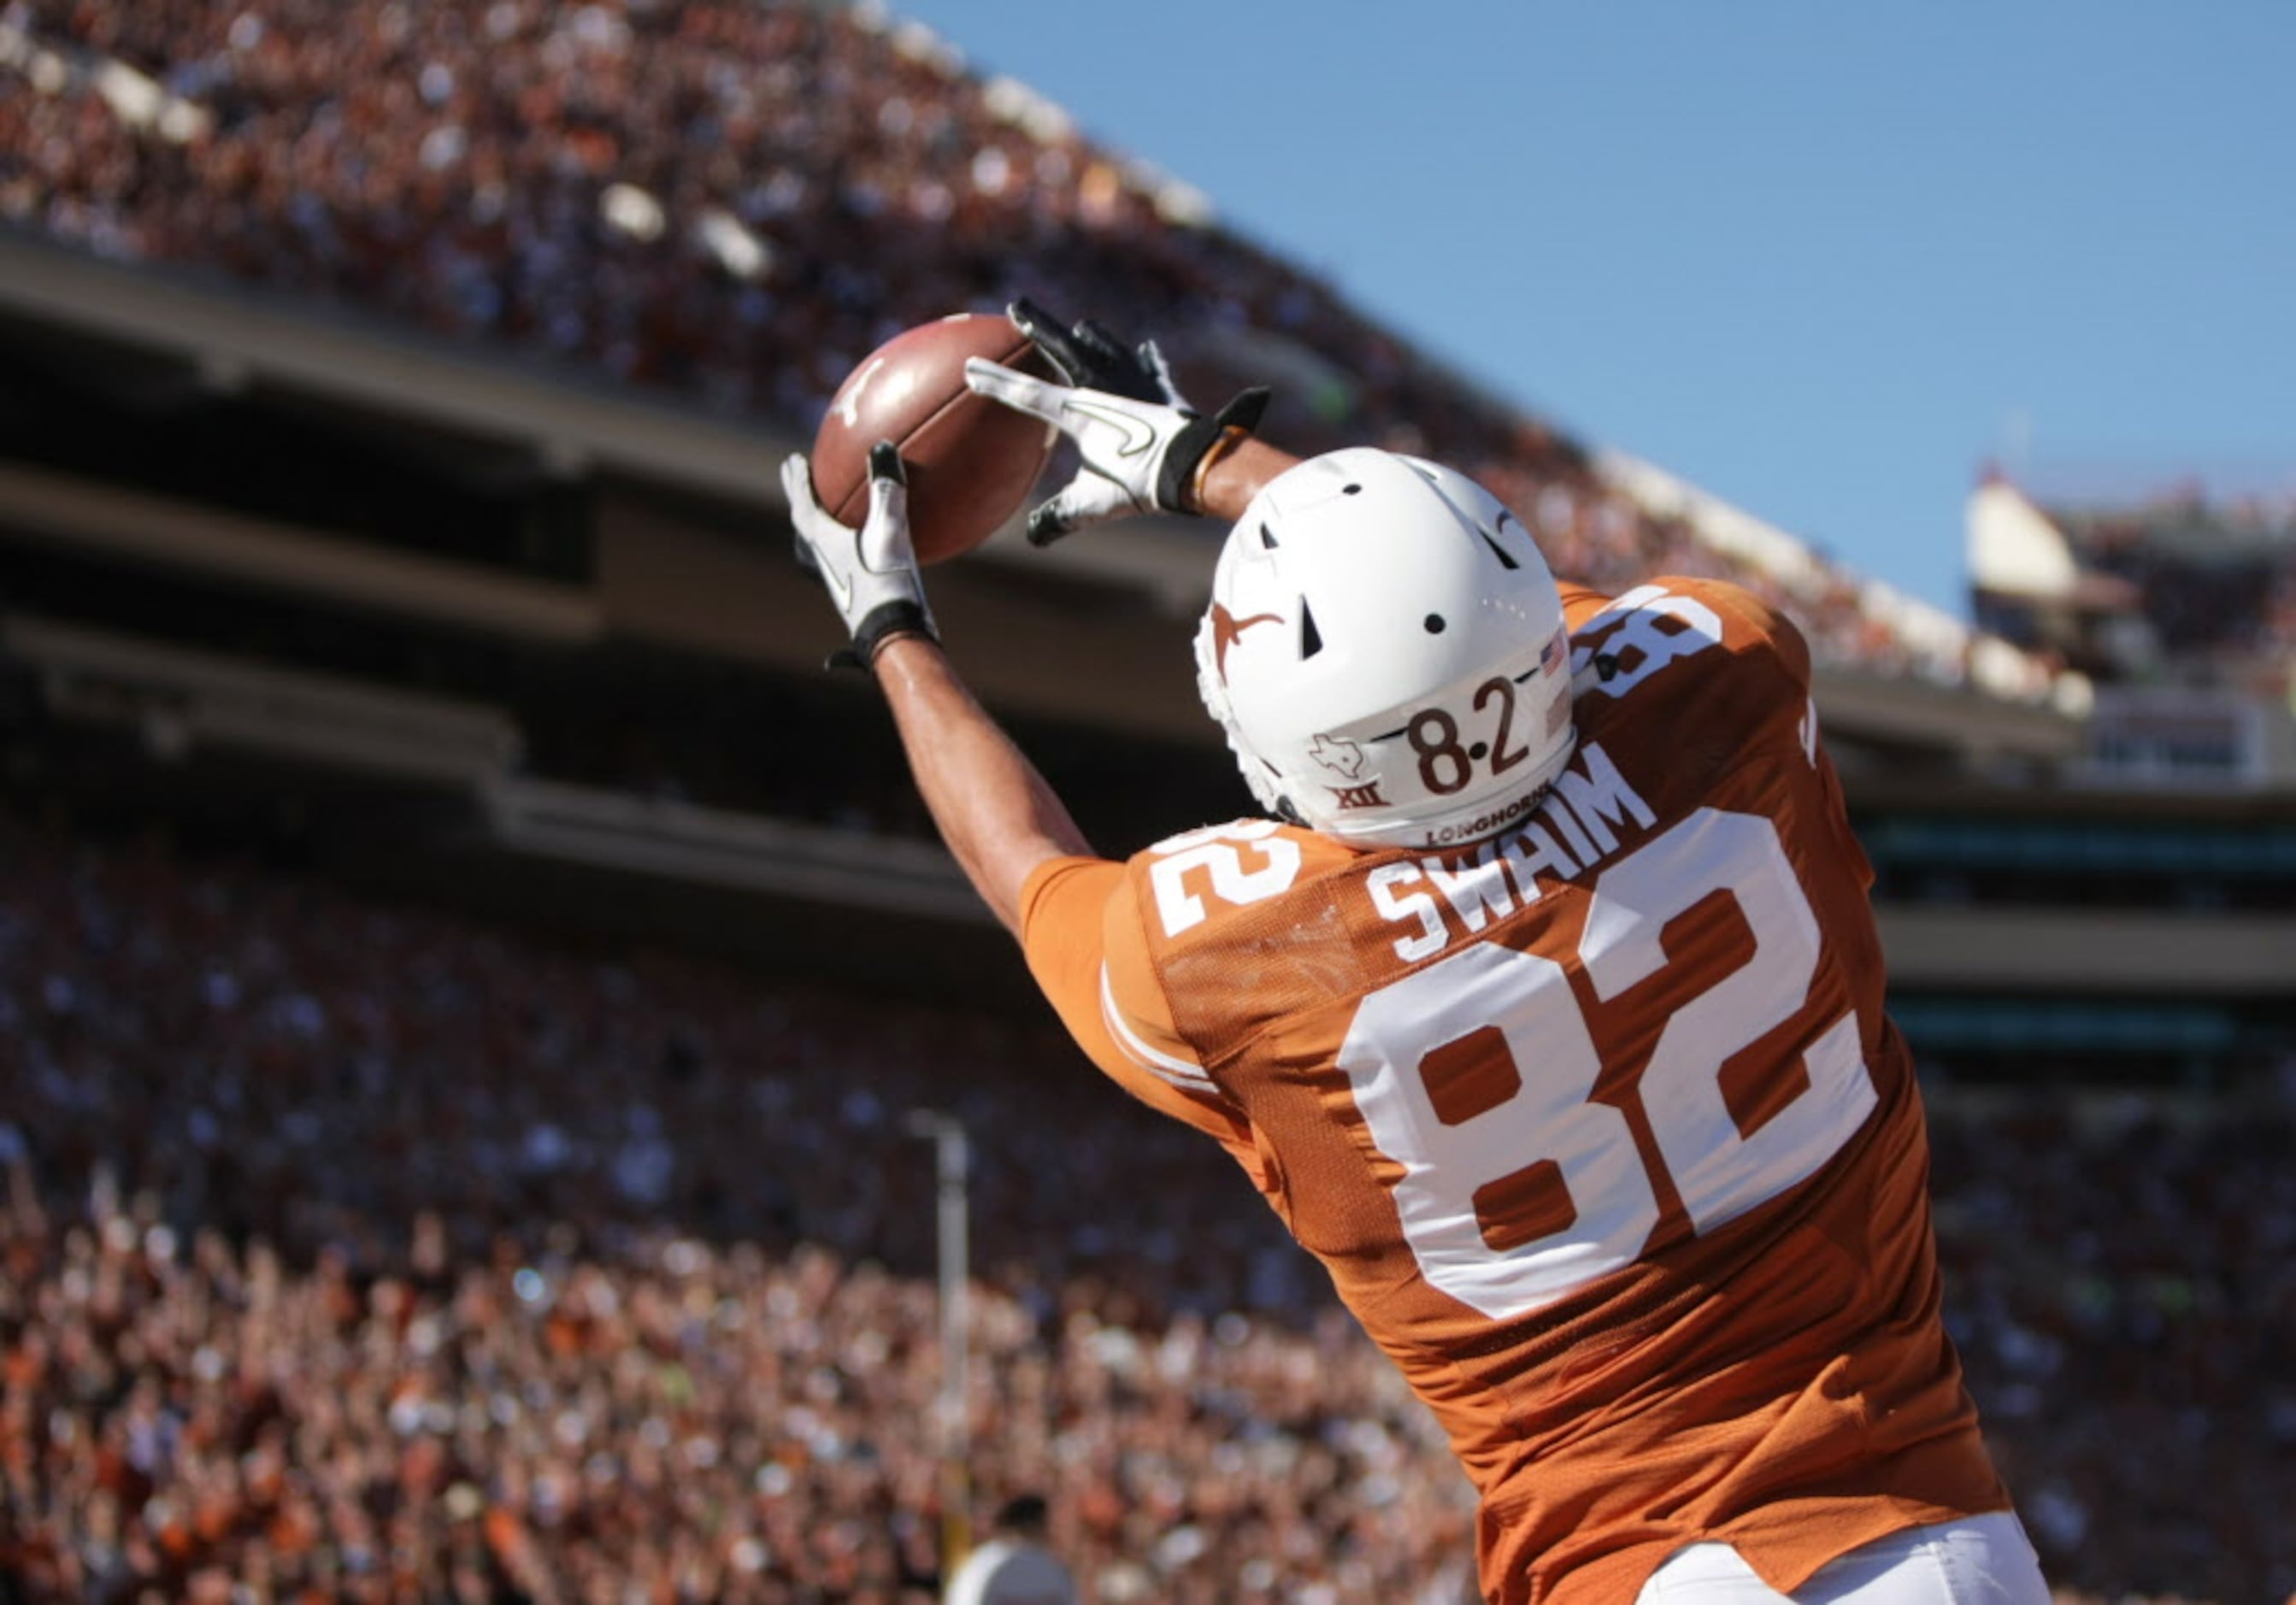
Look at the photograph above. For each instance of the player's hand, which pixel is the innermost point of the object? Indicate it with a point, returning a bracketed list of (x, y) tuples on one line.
[(1143, 448), (870, 573)]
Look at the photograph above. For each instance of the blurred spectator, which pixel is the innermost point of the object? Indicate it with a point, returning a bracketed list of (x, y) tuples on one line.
[(1014, 1568)]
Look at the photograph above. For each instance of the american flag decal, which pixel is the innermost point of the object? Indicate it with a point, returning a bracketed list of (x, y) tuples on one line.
[(1554, 652)]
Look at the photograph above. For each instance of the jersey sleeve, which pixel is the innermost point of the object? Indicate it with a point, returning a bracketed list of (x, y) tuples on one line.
[(1628, 638), (1080, 927), (1754, 625), (1765, 627)]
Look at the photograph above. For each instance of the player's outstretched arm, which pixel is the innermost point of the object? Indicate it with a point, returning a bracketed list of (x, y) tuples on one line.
[(996, 813), (999, 816)]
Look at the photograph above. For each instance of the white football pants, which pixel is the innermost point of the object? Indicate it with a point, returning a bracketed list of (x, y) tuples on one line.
[(1976, 1560)]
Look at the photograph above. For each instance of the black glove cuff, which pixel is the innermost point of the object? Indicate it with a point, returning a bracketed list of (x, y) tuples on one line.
[(1175, 481), (879, 625)]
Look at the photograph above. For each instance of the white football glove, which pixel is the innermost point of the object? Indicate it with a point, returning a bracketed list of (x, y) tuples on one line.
[(870, 573), (1141, 443)]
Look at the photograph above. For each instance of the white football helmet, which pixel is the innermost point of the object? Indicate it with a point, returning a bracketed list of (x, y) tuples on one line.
[(1385, 649)]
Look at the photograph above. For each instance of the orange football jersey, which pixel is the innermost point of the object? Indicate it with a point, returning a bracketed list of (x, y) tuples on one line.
[(1597, 1123)]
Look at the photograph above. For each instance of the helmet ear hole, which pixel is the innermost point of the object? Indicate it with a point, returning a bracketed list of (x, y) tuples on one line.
[(1311, 639)]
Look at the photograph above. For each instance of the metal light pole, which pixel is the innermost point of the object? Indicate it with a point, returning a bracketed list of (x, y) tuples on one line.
[(952, 1167)]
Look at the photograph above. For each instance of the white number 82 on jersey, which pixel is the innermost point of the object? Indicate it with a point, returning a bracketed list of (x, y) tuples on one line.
[(1550, 1118)]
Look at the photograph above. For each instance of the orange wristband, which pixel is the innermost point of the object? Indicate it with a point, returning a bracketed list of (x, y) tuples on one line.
[(1219, 448)]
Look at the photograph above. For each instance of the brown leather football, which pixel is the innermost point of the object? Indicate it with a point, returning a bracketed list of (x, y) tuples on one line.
[(972, 463)]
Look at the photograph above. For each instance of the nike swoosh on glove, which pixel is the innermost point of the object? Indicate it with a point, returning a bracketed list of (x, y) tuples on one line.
[(1142, 446)]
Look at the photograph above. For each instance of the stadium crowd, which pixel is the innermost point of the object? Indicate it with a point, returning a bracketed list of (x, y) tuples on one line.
[(734, 200), (367, 1252), (359, 1253)]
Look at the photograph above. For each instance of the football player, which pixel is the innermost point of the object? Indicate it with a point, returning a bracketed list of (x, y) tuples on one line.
[(1544, 1003)]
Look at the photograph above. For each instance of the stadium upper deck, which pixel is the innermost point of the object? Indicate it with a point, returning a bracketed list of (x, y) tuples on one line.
[(730, 203), (2187, 583)]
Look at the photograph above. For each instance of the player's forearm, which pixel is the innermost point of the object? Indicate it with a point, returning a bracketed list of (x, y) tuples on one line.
[(996, 813), (1236, 477)]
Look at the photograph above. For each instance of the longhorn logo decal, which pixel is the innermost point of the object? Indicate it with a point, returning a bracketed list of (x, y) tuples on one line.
[(1227, 629)]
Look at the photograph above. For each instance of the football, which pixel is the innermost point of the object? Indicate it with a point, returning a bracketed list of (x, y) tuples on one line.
[(972, 462)]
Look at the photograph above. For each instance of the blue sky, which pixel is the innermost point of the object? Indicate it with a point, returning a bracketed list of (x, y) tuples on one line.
[(1823, 260)]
